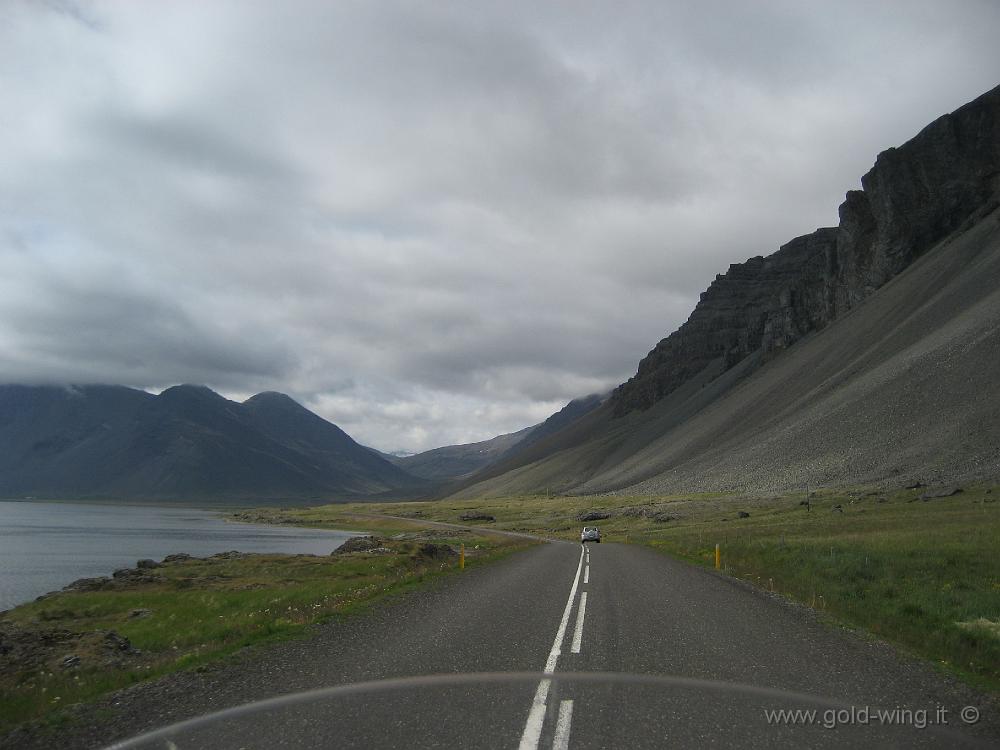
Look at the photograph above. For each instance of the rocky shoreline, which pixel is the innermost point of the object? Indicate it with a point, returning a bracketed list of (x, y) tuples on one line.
[(41, 647)]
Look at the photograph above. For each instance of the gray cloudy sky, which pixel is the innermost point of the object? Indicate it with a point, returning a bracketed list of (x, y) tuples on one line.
[(430, 222)]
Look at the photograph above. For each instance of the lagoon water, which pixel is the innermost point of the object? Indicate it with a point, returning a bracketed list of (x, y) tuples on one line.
[(46, 545)]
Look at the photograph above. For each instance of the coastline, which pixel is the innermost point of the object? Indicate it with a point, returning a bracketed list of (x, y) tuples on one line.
[(45, 545), (101, 634)]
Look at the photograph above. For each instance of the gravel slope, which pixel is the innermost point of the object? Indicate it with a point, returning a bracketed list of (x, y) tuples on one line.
[(903, 388)]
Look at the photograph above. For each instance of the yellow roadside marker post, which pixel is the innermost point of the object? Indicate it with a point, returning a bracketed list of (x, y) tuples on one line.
[(461, 558), (717, 557)]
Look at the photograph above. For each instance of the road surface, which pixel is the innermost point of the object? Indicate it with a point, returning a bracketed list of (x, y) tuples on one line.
[(552, 611)]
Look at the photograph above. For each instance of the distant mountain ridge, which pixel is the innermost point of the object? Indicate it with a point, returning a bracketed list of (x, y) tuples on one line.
[(863, 353), (459, 462), (187, 442), (451, 462)]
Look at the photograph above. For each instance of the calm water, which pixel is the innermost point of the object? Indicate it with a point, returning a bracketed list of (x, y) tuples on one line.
[(44, 546)]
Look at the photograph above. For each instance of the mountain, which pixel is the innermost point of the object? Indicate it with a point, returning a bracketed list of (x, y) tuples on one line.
[(863, 353), (187, 442), (573, 411), (291, 424), (458, 462), (536, 441)]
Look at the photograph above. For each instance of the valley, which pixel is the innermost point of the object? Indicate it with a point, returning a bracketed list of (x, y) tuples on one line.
[(796, 488)]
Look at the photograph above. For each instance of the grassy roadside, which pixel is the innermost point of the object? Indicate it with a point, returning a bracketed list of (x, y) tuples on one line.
[(75, 646), (921, 573), (924, 575)]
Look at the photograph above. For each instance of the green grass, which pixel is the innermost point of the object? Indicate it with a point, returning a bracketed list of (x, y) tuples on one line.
[(924, 575), (203, 611)]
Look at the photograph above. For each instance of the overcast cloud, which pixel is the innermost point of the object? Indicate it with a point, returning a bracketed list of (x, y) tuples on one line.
[(430, 222)]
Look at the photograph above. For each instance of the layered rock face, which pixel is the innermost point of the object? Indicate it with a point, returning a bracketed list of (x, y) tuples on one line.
[(944, 179), (764, 304)]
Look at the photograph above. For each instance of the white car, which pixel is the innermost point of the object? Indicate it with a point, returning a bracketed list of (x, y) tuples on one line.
[(590, 534)]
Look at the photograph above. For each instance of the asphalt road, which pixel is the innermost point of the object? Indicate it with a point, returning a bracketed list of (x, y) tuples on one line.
[(732, 653)]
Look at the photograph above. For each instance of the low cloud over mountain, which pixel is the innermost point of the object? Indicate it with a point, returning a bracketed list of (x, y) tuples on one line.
[(430, 223)]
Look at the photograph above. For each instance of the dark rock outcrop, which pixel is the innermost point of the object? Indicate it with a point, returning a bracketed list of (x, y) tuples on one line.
[(89, 584), (476, 516), (129, 576), (178, 557), (27, 647), (358, 544), (434, 551), (944, 492), (232, 554), (115, 642), (947, 177)]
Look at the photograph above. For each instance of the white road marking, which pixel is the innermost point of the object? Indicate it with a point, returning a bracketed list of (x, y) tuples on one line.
[(536, 716), (580, 614), (561, 740), (586, 574)]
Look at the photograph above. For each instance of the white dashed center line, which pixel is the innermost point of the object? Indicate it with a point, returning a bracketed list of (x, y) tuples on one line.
[(536, 716), (578, 632), (561, 740), (586, 574)]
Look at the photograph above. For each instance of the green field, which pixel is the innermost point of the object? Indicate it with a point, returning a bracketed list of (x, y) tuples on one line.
[(201, 610), (922, 574)]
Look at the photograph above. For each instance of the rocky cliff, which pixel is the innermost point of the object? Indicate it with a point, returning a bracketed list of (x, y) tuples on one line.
[(944, 179)]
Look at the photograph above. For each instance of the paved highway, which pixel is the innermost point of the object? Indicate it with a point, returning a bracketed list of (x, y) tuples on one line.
[(553, 611)]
